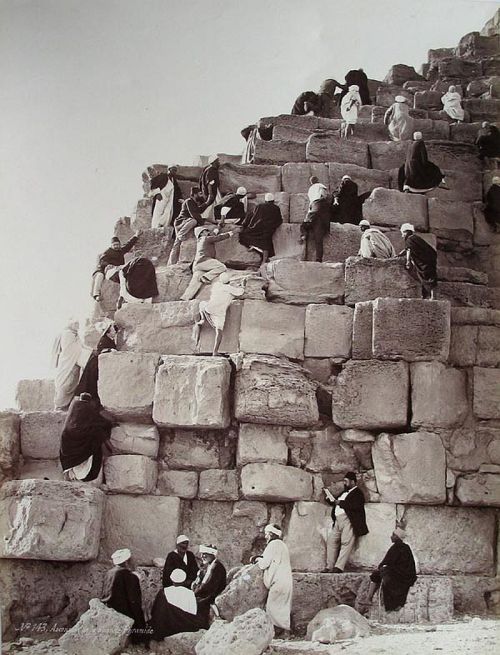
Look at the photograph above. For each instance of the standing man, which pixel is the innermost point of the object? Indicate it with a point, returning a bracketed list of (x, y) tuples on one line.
[(318, 217), (421, 260), (209, 182), (189, 218), (259, 227), (347, 206), (210, 582), (167, 198), (109, 263), (180, 558), (349, 522)]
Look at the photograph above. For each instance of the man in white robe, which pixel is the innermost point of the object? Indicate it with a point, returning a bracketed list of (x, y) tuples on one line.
[(69, 357), (374, 243)]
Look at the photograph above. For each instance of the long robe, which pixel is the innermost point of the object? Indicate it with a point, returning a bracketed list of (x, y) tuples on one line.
[(418, 174), (452, 105), (260, 225), (209, 184), (90, 374), (176, 561), (488, 142), (275, 563), (397, 574), (212, 583), (122, 592), (168, 619), (350, 106), (350, 205), (163, 209), (360, 79), (70, 357), (423, 260), (399, 122), (140, 278), (375, 245), (492, 205), (312, 100)]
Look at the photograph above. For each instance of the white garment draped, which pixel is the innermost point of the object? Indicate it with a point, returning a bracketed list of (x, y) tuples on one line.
[(399, 122), (71, 356), (349, 107), (275, 563), (182, 598), (375, 244), (163, 211), (452, 104)]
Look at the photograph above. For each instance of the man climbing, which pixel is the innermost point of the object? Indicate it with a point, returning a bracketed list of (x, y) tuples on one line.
[(318, 217), (374, 243), (190, 217), (421, 260), (110, 262), (234, 203), (260, 225), (418, 174), (209, 183)]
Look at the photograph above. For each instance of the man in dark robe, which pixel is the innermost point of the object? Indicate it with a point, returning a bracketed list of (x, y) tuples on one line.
[(418, 174), (190, 217), (122, 592), (90, 374), (360, 79), (488, 141), (109, 263), (209, 182), (396, 573), (327, 102), (260, 225), (174, 609), (140, 279), (210, 582), (84, 432), (421, 260), (317, 223), (180, 558), (347, 205), (232, 202), (307, 102), (492, 205)]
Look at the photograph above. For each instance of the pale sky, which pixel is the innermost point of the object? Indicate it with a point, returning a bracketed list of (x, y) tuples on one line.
[(93, 91)]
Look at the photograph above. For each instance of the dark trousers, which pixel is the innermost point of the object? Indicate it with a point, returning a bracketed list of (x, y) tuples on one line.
[(319, 230)]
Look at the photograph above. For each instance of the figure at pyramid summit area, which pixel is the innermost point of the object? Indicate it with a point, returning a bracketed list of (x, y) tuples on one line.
[(259, 227), (306, 104), (209, 185), (374, 243), (180, 558), (86, 430), (69, 357), (395, 574), (348, 523), (492, 205), (319, 214), (398, 120), (209, 583), (107, 342), (251, 134), (189, 217), (206, 266), (109, 264), (235, 203), (347, 205), (349, 108), (174, 608), (122, 592), (421, 260), (488, 142), (418, 174), (167, 198), (360, 79), (452, 104), (214, 310), (137, 281)]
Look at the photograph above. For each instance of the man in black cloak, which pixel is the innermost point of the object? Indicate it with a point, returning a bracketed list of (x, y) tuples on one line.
[(174, 609), (210, 582), (418, 174), (360, 79), (317, 222), (396, 573), (488, 141), (84, 433), (140, 278), (109, 262), (259, 227), (180, 558), (234, 203), (421, 260), (347, 206), (209, 182), (307, 102), (90, 374), (122, 592), (492, 205)]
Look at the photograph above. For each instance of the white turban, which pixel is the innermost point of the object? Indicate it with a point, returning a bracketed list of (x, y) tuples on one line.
[(495, 180), (241, 191), (417, 135), (269, 197), (208, 550), (399, 532), (273, 530), (181, 539), (346, 177), (400, 99), (407, 227), (121, 556), (178, 576), (354, 87), (200, 229), (364, 222)]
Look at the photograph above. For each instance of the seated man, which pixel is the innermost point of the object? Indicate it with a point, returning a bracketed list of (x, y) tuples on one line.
[(109, 263), (374, 243), (488, 141), (418, 174), (396, 573), (174, 609), (137, 281), (347, 206), (233, 203), (190, 217), (180, 558), (317, 219), (210, 582), (259, 227), (421, 260)]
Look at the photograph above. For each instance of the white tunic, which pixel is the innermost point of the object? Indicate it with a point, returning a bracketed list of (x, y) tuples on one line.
[(71, 357), (452, 104), (275, 563), (349, 107), (163, 211)]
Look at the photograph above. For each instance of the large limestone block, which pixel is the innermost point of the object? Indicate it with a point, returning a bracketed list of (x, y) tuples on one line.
[(479, 489), (334, 624), (488, 346), (50, 520), (178, 483), (329, 453), (100, 631), (290, 120), (248, 634), (451, 219), (325, 147), (291, 133), (464, 187), (35, 395), (255, 178), (299, 205), (275, 483), (307, 533), (462, 539), (141, 217), (370, 549), (366, 178), (126, 383), (388, 206), (438, 395), (432, 129), (411, 329), (386, 95), (130, 474), (302, 283), (410, 468), (371, 395), (41, 469), (367, 279), (9, 444), (279, 151), (271, 390), (155, 244), (340, 243), (362, 330), (386, 155), (463, 345), (245, 591), (148, 525), (287, 243), (453, 156), (172, 281), (204, 381), (328, 331), (272, 329), (484, 109), (135, 439), (486, 398), (427, 100), (465, 294), (41, 434), (188, 449), (296, 176), (261, 443), (218, 484)]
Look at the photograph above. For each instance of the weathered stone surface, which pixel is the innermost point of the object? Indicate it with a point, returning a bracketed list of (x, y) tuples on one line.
[(453, 156), (261, 443), (135, 439), (172, 281), (278, 151), (362, 330), (461, 274), (182, 643), (462, 540), (463, 345), (299, 204), (328, 331), (366, 178), (50, 520), (410, 468), (275, 483), (357, 436), (432, 129), (126, 383), (291, 133), (130, 474), (128, 520), (35, 395), (329, 453), (287, 243), (245, 591), (100, 631), (296, 176), (270, 390), (465, 294), (41, 434), (367, 279), (320, 369), (40, 469), (155, 244), (386, 155), (248, 634), (451, 219), (386, 95), (302, 283), (475, 316), (380, 519), (438, 395), (371, 395), (488, 346), (272, 329), (187, 449), (218, 484), (306, 537), (9, 444), (478, 489), (142, 215), (255, 178), (427, 100), (387, 206), (336, 623), (324, 147), (205, 381), (484, 109), (486, 398), (426, 336), (183, 484)]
